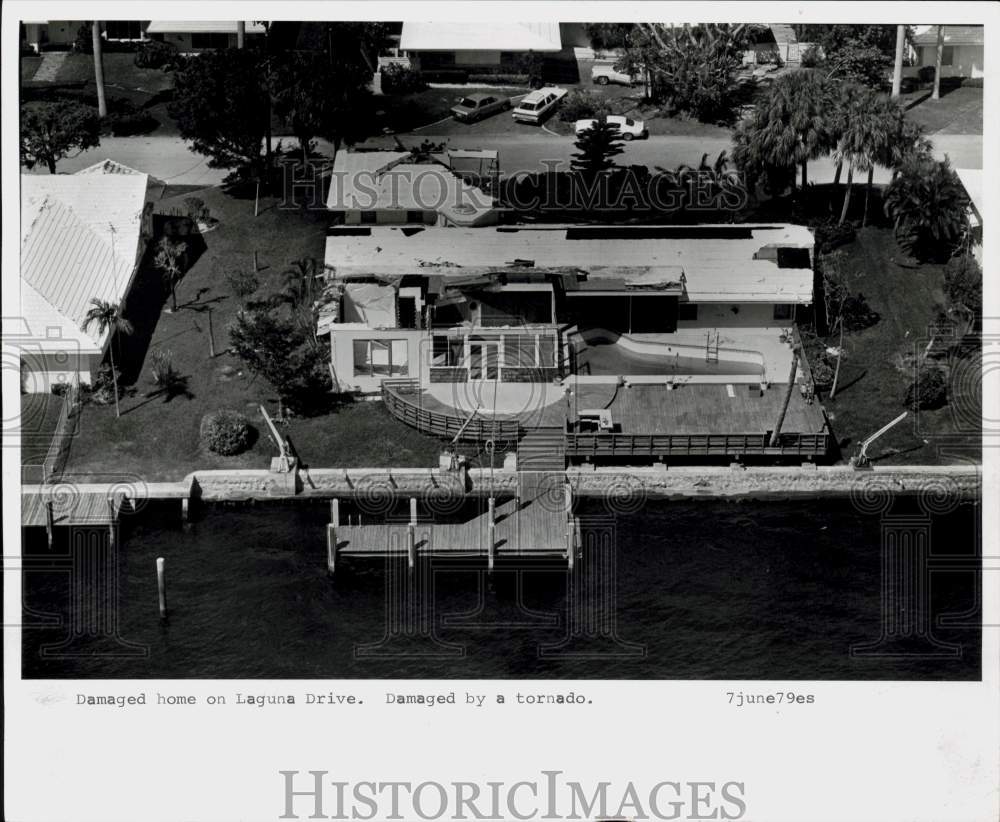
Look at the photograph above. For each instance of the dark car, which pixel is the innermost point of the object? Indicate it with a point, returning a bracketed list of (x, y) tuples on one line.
[(476, 106)]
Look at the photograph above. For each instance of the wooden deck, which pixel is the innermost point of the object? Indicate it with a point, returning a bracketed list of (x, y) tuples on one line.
[(70, 508), (536, 524)]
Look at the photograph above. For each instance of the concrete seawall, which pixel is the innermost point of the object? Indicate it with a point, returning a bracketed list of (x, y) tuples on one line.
[(630, 487)]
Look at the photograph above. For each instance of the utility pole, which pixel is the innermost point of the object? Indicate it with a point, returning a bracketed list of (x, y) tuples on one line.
[(897, 72), (102, 103), (939, 56)]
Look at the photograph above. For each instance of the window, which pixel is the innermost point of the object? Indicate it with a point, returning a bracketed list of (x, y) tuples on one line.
[(448, 351), (123, 30), (687, 312), (948, 56), (784, 311), (368, 217), (381, 358), (209, 40)]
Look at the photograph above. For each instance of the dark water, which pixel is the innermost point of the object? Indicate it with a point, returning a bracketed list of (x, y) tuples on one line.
[(691, 590)]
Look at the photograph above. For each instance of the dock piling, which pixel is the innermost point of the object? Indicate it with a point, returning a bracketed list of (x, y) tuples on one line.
[(411, 545), (491, 535), (161, 586), (335, 512), (50, 521), (413, 510), (331, 548)]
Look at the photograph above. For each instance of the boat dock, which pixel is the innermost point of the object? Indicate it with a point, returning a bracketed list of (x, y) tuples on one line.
[(538, 522)]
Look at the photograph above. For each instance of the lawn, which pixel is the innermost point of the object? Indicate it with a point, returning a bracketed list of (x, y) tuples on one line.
[(873, 382), (39, 415), (120, 71), (959, 111), (159, 439)]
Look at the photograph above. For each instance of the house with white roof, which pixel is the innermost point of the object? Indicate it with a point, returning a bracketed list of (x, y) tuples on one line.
[(83, 236), (192, 36), (397, 187), (566, 327), (962, 49), (460, 45)]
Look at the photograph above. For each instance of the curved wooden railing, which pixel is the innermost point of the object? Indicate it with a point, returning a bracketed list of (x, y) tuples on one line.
[(396, 396)]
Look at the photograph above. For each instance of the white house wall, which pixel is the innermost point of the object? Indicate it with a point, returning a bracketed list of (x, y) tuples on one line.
[(967, 61)]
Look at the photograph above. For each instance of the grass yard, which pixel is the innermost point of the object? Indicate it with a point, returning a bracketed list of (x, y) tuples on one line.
[(120, 72), (959, 111), (159, 439), (39, 415), (908, 297)]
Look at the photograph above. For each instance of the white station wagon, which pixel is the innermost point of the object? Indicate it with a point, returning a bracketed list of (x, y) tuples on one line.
[(538, 105), (603, 74), (628, 128)]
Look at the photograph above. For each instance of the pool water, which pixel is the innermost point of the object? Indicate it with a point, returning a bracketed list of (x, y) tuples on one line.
[(609, 358)]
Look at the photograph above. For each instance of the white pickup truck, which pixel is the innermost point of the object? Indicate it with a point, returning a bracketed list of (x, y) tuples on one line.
[(628, 128), (604, 73), (538, 105)]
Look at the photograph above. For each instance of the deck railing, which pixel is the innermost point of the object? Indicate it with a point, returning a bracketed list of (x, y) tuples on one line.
[(397, 394), (695, 445)]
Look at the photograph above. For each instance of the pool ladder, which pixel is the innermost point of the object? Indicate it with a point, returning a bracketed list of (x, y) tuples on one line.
[(711, 354)]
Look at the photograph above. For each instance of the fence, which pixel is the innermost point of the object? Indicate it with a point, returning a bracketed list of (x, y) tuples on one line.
[(694, 445), (438, 424), (62, 436)]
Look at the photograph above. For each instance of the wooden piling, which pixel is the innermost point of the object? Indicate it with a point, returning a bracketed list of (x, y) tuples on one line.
[(50, 522), (413, 510), (411, 545), (161, 586), (570, 544), (491, 535), (335, 512), (185, 510), (331, 548)]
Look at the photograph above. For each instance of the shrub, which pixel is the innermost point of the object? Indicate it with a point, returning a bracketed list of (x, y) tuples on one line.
[(769, 57), (822, 373), (929, 390), (580, 104), (830, 236), (972, 82), (445, 76), (155, 54), (132, 121), (963, 280), (102, 391), (242, 282), (532, 65), (500, 79), (399, 79), (84, 42), (197, 210), (811, 57), (225, 432), (926, 74)]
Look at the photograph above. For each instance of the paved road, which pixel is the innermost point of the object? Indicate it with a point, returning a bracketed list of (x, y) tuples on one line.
[(169, 158)]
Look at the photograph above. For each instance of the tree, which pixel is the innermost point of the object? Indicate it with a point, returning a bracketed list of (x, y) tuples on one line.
[(168, 261), (692, 67), (302, 291), (776, 433), (317, 97), (868, 127), (242, 282), (928, 206), (107, 316), (102, 103), (596, 147), (897, 69), (221, 105), (860, 63), (787, 128), (51, 131), (938, 59)]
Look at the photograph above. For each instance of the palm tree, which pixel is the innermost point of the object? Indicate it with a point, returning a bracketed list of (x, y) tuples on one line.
[(897, 70), (928, 206), (167, 259), (864, 141), (789, 127), (939, 56), (102, 103), (107, 316), (302, 291)]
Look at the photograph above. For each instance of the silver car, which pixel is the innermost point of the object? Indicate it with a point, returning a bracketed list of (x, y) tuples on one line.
[(477, 106)]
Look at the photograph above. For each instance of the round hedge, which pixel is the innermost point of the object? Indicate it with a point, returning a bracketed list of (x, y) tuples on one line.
[(225, 432), (928, 390)]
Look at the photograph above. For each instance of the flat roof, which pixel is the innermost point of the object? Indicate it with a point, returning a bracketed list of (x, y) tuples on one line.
[(200, 27), (382, 180), (486, 36), (718, 262)]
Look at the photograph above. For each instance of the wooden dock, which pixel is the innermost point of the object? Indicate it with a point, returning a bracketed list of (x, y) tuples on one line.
[(61, 509), (538, 522)]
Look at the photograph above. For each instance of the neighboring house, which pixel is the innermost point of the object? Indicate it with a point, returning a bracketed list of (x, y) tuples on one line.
[(41, 34), (191, 36), (82, 237), (679, 331), (962, 55), (392, 187), (445, 45)]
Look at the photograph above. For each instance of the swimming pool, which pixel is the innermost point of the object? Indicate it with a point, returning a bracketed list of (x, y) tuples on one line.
[(611, 355)]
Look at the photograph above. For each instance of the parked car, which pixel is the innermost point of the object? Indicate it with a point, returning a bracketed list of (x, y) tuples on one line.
[(538, 105), (477, 106), (628, 128), (602, 74)]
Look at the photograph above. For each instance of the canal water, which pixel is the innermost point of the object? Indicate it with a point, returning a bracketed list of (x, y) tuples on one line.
[(700, 589)]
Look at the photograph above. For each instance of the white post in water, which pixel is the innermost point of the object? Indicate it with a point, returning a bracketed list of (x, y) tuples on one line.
[(413, 510), (411, 546), (161, 586), (331, 548), (335, 512), (50, 521), (491, 536)]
